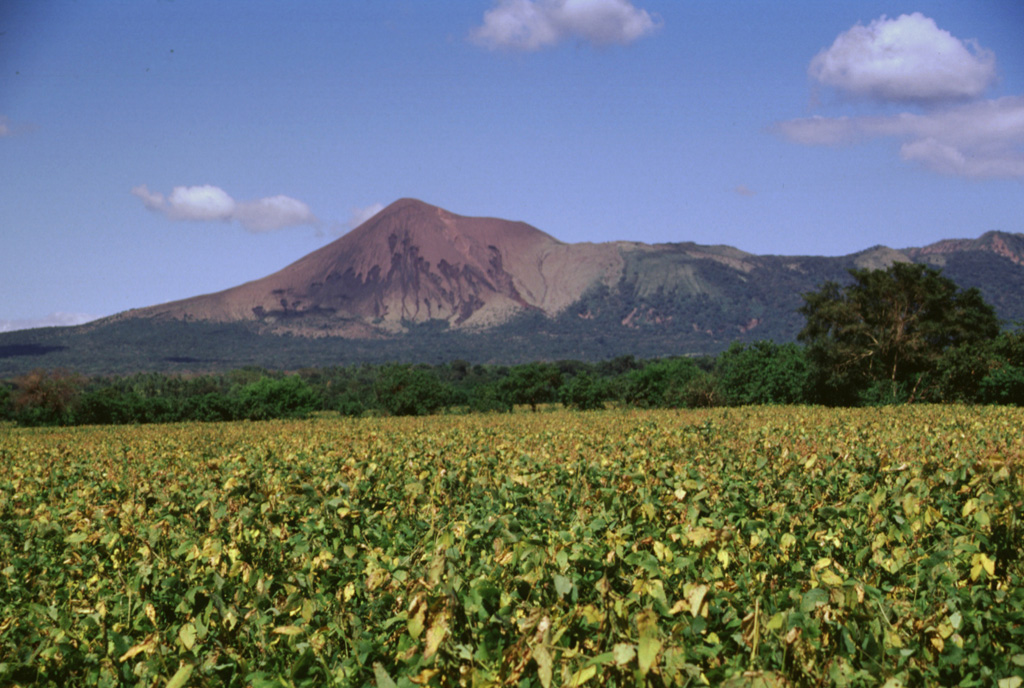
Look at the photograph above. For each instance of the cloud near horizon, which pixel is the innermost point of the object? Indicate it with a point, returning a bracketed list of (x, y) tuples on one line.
[(208, 203), (530, 25), (909, 60), (58, 319), (361, 215)]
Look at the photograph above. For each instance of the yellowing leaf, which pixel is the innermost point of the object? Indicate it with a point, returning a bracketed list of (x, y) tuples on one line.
[(435, 634), (696, 599), (287, 630), (423, 678), (679, 606), (979, 563), (543, 659), (180, 677), (147, 645), (700, 535), (383, 678), (417, 615), (831, 578), (623, 653), (187, 635), (582, 676), (647, 652)]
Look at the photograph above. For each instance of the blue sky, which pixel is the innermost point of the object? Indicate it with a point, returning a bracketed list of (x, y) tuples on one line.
[(152, 150)]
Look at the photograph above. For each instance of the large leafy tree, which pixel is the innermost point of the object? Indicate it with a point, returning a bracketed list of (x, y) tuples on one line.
[(47, 397), (669, 382), (532, 383), (404, 390), (880, 337), (763, 373)]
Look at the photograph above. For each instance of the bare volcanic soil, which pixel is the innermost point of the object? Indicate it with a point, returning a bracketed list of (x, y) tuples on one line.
[(412, 263)]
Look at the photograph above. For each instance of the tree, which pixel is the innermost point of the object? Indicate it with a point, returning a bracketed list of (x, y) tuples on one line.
[(584, 392), (1004, 381), (763, 373), (289, 397), (662, 383), (406, 391), (46, 398), (879, 338), (533, 383)]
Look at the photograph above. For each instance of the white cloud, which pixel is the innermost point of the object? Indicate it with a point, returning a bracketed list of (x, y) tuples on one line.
[(267, 214), (154, 201), (357, 217), (200, 203), (361, 215), (5, 128), (908, 59), (534, 24), (820, 131), (58, 319), (980, 139), (210, 203)]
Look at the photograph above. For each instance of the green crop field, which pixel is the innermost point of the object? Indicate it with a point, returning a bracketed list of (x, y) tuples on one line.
[(743, 547)]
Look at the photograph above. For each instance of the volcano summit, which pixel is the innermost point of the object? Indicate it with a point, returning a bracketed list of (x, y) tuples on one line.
[(411, 263)]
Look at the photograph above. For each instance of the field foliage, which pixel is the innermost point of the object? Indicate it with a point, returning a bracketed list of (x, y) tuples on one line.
[(751, 547)]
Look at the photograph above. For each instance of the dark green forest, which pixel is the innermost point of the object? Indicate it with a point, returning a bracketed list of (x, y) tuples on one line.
[(906, 334)]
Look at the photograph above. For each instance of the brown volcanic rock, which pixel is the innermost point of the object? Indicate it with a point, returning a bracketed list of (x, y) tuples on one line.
[(412, 262), (1005, 244)]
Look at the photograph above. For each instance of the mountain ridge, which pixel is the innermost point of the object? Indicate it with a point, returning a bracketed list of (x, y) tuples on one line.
[(414, 263), (417, 283)]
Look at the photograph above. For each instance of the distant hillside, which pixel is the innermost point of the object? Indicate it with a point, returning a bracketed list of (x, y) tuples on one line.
[(418, 283)]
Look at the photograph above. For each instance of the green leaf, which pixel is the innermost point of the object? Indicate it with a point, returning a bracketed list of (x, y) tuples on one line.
[(813, 599), (563, 585)]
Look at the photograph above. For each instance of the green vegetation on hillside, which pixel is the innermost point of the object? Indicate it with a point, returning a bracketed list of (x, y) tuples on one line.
[(904, 334)]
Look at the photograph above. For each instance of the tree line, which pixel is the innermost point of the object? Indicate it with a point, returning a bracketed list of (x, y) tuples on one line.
[(905, 334)]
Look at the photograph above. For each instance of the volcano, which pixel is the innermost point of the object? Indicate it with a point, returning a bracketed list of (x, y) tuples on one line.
[(411, 263), (419, 283)]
